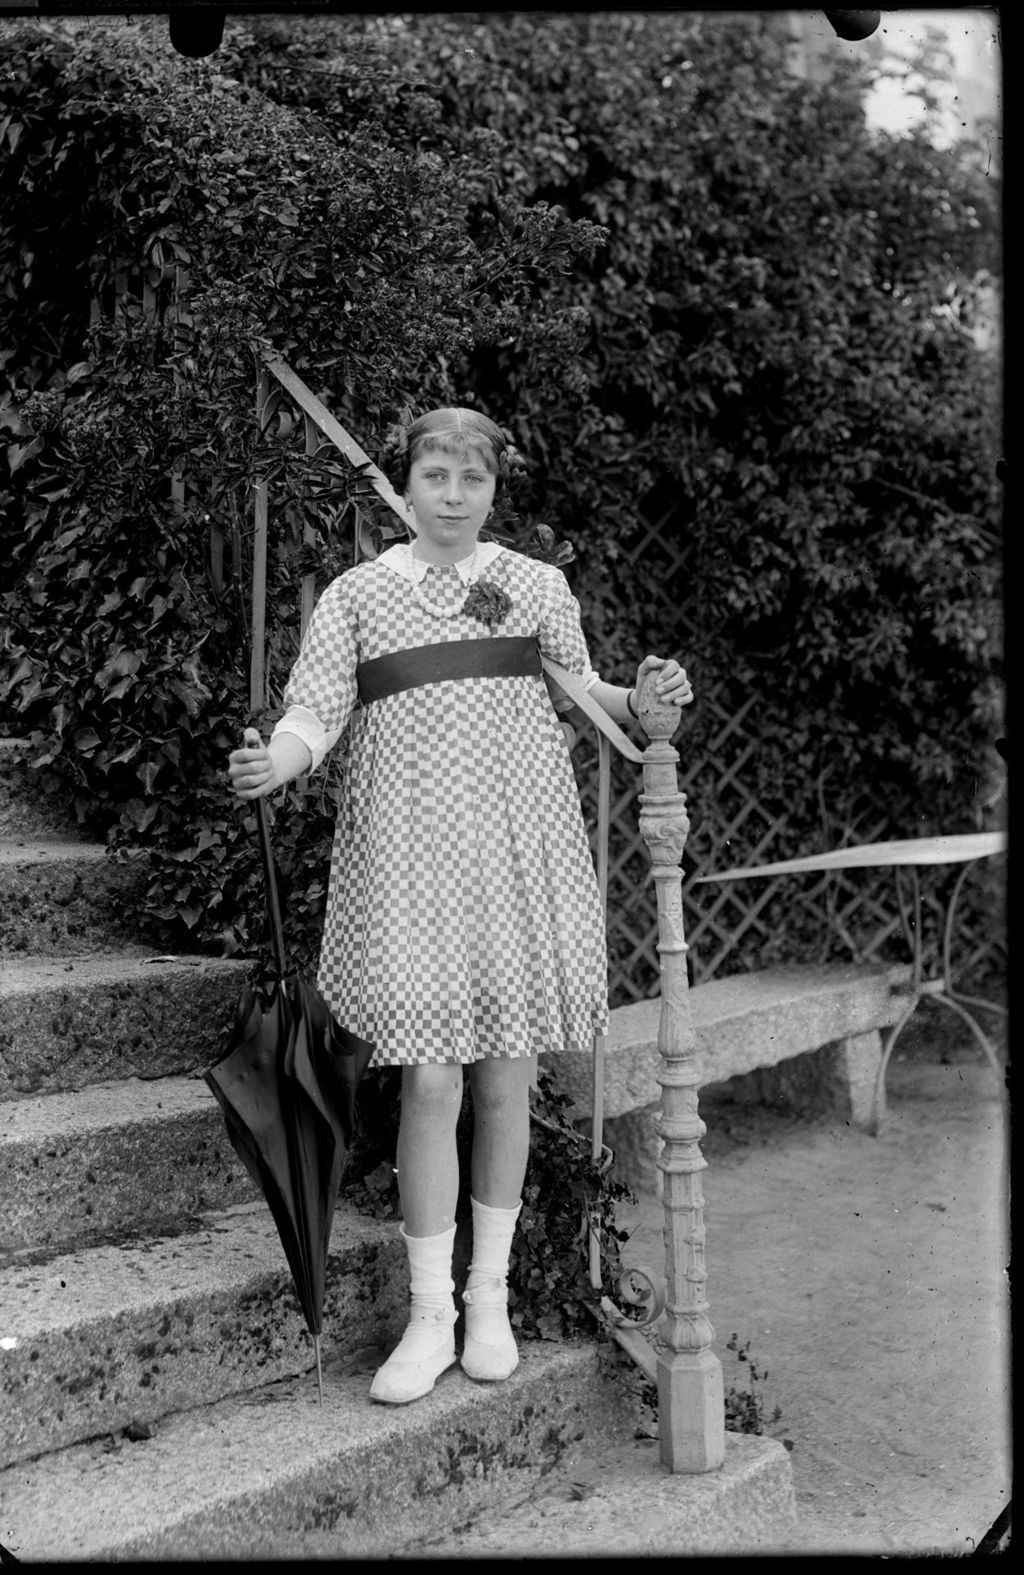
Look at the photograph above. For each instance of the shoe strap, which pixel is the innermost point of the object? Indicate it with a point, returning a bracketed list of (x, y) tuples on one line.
[(488, 1293)]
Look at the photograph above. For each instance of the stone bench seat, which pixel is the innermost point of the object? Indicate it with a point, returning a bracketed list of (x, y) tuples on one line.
[(805, 1036)]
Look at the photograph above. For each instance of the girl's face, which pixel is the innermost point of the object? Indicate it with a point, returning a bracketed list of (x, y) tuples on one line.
[(451, 496)]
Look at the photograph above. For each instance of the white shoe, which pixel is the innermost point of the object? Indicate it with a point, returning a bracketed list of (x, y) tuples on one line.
[(489, 1351), (423, 1353)]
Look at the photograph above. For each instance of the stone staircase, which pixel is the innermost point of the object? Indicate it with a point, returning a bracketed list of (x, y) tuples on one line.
[(157, 1398)]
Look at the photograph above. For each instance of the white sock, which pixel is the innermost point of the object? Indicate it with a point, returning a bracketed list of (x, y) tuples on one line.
[(431, 1287), (493, 1230), (489, 1350), (428, 1345)]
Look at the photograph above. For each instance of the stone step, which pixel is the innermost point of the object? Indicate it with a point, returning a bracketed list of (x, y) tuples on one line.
[(126, 1334), (606, 1499), (65, 896), (66, 1022), (248, 1476), (114, 1158)]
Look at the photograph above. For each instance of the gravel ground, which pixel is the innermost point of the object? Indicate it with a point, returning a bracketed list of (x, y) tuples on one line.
[(867, 1277)]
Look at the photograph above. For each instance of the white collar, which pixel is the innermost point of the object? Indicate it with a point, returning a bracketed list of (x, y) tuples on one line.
[(400, 559)]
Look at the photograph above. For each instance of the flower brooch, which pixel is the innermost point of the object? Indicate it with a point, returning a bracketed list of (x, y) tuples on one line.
[(487, 602)]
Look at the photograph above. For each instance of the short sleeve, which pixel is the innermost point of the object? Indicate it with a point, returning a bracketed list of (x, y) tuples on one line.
[(321, 690), (561, 632)]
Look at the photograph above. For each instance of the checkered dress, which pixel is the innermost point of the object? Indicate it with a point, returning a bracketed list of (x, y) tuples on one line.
[(463, 915)]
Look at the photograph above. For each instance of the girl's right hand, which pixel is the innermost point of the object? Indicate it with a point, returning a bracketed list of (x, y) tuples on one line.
[(250, 768)]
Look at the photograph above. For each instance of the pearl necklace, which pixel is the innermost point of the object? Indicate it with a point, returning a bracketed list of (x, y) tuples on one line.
[(434, 607)]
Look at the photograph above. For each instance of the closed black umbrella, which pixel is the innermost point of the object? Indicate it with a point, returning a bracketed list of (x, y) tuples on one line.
[(287, 1088)]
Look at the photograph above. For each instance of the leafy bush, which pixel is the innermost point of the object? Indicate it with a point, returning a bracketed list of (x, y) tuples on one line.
[(676, 273), (779, 341), (125, 655)]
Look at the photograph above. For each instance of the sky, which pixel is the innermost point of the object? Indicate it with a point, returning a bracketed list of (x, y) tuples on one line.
[(972, 36)]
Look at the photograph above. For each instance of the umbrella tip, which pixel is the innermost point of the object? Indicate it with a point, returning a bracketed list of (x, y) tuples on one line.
[(319, 1368)]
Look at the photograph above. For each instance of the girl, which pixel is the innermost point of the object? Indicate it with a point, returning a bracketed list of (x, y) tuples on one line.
[(463, 924)]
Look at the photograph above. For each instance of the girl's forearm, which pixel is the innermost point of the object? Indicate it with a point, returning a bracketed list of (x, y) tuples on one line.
[(613, 699)]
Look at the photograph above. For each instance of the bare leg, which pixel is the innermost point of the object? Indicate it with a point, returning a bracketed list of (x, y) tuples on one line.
[(501, 1141), (428, 1164), (428, 1181), (501, 1130)]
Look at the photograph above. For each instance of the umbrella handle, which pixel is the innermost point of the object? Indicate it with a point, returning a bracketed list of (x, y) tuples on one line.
[(273, 902)]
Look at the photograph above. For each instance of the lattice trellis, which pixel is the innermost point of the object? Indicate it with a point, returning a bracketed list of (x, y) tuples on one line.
[(844, 915), (733, 927), (851, 915), (735, 820)]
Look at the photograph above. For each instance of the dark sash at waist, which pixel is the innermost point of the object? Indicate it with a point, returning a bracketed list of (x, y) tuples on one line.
[(504, 657)]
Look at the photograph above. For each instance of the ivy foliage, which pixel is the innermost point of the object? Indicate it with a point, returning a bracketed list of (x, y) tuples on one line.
[(788, 349), (680, 276), (126, 654), (779, 344)]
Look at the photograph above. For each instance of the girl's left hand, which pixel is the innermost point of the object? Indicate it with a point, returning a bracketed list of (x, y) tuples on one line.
[(672, 686)]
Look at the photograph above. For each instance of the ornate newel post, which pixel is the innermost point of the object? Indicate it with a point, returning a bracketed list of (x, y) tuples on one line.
[(691, 1402)]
